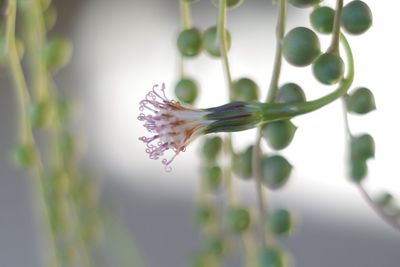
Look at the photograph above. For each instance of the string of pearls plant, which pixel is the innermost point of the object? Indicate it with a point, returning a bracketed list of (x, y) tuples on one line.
[(175, 124)]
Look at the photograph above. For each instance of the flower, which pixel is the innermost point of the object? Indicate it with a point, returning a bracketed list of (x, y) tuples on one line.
[(173, 125)]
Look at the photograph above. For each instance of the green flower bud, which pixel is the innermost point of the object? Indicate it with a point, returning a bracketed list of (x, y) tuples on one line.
[(291, 93), (361, 101), (211, 41), (304, 3), (24, 155), (279, 134), (57, 53), (276, 171), (212, 147), (358, 170), (186, 90), (213, 177), (242, 163), (229, 3), (189, 42), (245, 89), (356, 17), (301, 46), (271, 257), (362, 147), (280, 222), (322, 19), (239, 219), (39, 114), (328, 68)]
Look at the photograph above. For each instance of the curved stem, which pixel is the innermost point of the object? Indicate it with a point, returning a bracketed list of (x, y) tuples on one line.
[(278, 111), (391, 220)]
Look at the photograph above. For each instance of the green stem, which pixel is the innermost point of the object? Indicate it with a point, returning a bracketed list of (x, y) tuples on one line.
[(221, 33), (272, 92), (21, 87), (26, 129), (334, 47), (185, 15)]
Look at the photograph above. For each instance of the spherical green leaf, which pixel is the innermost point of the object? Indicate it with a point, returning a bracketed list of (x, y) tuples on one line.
[(186, 90), (361, 101), (362, 147), (238, 219), (242, 163), (24, 155), (213, 177), (271, 257), (328, 68), (229, 3), (322, 19), (189, 42), (301, 46), (204, 214), (279, 134), (211, 42), (280, 222), (57, 53), (245, 89), (358, 170), (276, 171), (291, 93), (356, 17), (39, 114), (211, 148)]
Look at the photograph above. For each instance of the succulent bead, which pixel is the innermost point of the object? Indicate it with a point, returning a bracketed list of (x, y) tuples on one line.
[(189, 42), (186, 90), (328, 68), (358, 170), (290, 93), (271, 257), (24, 155), (57, 53), (211, 43), (304, 3), (238, 219), (279, 134), (242, 163), (213, 177), (322, 19), (211, 148), (356, 17), (245, 89), (39, 114), (301, 46), (361, 101), (362, 147), (229, 3), (280, 222), (276, 171)]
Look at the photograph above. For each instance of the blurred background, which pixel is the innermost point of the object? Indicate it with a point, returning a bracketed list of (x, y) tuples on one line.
[(122, 48)]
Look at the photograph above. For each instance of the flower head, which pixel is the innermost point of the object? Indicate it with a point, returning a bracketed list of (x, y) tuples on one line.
[(172, 124)]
